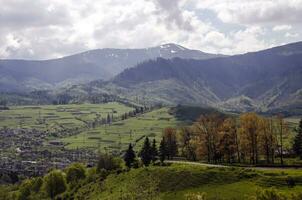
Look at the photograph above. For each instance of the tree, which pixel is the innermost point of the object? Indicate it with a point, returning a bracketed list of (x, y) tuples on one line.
[(129, 156), (187, 143), (154, 152), (145, 152), (297, 146), (54, 183), (108, 162), (229, 147), (249, 134), (108, 119), (75, 172), (207, 128), (171, 142), (268, 141), (282, 130), (25, 190), (162, 150)]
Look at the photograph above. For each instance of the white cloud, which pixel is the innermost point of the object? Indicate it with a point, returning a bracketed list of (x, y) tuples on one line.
[(291, 35), (255, 11), (55, 28), (282, 28), (237, 42)]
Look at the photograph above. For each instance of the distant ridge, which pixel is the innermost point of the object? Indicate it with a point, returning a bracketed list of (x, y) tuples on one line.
[(263, 80), (22, 75)]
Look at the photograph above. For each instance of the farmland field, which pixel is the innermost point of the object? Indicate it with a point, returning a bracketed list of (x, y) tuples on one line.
[(106, 138), (58, 116), (119, 134)]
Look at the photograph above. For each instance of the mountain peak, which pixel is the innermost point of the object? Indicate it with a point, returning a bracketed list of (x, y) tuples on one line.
[(172, 46)]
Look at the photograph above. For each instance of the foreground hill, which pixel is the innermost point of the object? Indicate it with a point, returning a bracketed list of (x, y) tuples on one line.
[(261, 80), (19, 75), (163, 182)]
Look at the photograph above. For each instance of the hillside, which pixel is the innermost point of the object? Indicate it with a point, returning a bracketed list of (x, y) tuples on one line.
[(178, 181), (261, 80), (20, 75), (264, 81)]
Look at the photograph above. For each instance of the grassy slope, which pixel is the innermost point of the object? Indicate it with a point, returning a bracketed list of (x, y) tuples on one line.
[(149, 124), (175, 181), (57, 115)]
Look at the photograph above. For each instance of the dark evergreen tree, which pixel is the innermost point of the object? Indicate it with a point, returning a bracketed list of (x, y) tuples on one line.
[(129, 156), (297, 146), (162, 150), (145, 153), (171, 142), (154, 152), (108, 119)]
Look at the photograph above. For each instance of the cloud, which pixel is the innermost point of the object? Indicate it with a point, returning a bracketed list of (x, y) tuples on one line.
[(25, 14), (246, 40), (255, 11), (174, 13), (291, 35), (282, 28), (95, 24), (55, 28)]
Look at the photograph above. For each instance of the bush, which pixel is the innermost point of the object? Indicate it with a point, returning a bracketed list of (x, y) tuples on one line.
[(75, 172), (269, 194), (28, 187), (196, 196), (109, 163), (37, 184), (24, 190), (91, 175), (296, 196), (54, 183)]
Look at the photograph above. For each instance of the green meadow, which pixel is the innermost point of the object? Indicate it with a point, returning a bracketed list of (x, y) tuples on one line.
[(179, 180), (54, 117), (118, 135)]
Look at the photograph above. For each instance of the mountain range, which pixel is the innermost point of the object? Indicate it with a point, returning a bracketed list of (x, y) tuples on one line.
[(20, 75), (267, 80), (263, 80)]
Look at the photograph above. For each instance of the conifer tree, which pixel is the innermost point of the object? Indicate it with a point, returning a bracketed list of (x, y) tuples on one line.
[(108, 119), (145, 152), (171, 143), (129, 157), (154, 152), (162, 150), (297, 146)]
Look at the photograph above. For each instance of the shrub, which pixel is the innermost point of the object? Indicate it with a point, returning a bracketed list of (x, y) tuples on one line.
[(269, 194), (24, 190), (91, 175), (75, 172), (296, 196), (290, 182), (196, 196), (109, 163), (54, 183), (36, 184)]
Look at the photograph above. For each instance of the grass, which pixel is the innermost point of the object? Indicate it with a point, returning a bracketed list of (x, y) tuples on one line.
[(117, 136), (237, 190), (113, 138), (177, 180), (53, 117)]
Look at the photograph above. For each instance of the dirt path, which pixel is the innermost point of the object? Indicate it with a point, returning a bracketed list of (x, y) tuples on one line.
[(221, 166)]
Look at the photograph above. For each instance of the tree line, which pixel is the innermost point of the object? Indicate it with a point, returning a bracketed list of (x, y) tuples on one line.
[(249, 139)]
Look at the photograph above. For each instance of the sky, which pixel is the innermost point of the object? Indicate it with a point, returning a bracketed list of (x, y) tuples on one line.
[(44, 29)]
